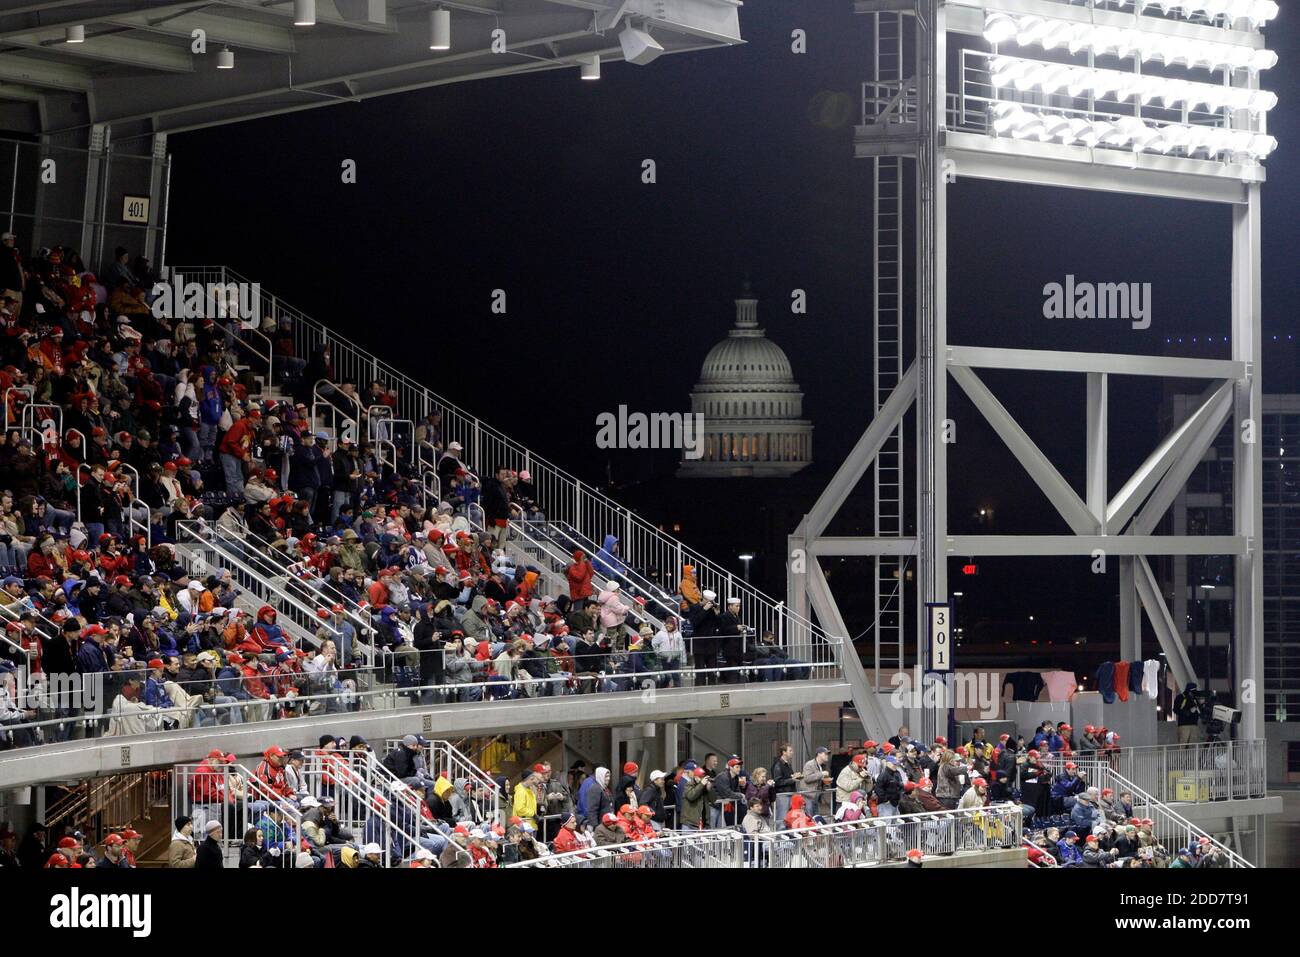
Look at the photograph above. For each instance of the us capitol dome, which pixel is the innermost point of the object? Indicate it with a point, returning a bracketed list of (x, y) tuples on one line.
[(751, 404)]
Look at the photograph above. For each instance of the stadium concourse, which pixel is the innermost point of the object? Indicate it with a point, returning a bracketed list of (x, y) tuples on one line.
[(182, 540)]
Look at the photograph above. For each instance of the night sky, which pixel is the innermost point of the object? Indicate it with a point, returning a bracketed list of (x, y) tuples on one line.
[(616, 289)]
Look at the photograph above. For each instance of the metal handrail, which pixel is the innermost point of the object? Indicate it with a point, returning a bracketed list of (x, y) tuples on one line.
[(1169, 826), (358, 800), (27, 390), (318, 399), (354, 612), (190, 536), (240, 341), (425, 489), (699, 849), (881, 840), (394, 695)]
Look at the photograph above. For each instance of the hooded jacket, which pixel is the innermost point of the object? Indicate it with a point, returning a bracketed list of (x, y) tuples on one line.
[(579, 575), (606, 562), (266, 632), (612, 610), (594, 799), (689, 589)]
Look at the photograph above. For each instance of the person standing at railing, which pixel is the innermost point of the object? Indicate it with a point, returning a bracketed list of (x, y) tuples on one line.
[(705, 624)]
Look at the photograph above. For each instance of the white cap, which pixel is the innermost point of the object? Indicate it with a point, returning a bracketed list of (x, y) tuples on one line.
[(424, 854), (455, 445), (709, 595), (733, 600), (196, 586), (612, 586), (309, 801), (372, 848), (211, 826), (656, 775)]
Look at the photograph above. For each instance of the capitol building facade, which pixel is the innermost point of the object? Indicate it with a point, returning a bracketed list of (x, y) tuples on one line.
[(751, 405)]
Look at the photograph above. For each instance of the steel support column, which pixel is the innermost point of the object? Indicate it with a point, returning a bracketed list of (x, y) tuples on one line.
[(1247, 465)]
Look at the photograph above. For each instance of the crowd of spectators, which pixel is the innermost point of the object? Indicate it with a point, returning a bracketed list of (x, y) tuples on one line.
[(122, 423), (451, 823)]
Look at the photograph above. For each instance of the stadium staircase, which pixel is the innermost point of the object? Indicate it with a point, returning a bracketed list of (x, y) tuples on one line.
[(1170, 828), (369, 800), (576, 512)]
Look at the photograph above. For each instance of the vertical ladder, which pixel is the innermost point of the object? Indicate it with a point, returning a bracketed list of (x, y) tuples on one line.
[(887, 335)]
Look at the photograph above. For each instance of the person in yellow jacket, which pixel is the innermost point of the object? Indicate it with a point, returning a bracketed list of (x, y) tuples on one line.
[(525, 802)]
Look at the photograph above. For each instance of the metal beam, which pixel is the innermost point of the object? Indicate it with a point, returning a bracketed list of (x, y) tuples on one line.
[(244, 34), (1170, 638), (1086, 545), (828, 613), (1042, 360), (1178, 446), (110, 48), (1097, 434), (1207, 430), (854, 546), (979, 156), (327, 14), (1058, 491), (1248, 463), (45, 74), (852, 469)]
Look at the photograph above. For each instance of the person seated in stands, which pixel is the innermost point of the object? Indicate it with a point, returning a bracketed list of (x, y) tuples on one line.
[(1066, 787), (1095, 856), (1086, 815), (1068, 853), (797, 817)]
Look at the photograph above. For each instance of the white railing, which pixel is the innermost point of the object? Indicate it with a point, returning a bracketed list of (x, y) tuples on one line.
[(701, 849), (444, 759), (1169, 827), (883, 840), (202, 550), (561, 495), (269, 566), (368, 800), (232, 795), (1197, 773)]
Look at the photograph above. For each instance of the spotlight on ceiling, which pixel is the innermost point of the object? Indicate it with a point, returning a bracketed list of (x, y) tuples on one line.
[(639, 47), (440, 28), (591, 67), (304, 13), (225, 59), (76, 34)]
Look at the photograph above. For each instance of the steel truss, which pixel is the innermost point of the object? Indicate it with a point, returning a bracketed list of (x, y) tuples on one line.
[(908, 123)]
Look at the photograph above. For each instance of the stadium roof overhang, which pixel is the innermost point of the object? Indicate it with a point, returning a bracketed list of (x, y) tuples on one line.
[(137, 71)]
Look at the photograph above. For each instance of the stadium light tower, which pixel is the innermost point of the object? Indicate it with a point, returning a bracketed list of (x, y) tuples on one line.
[(1124, 96)]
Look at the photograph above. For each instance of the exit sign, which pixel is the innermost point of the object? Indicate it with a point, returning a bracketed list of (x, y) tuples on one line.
[(970, 569)]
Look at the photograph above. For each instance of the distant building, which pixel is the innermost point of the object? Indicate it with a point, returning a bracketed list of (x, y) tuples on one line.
[(751, 405)]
